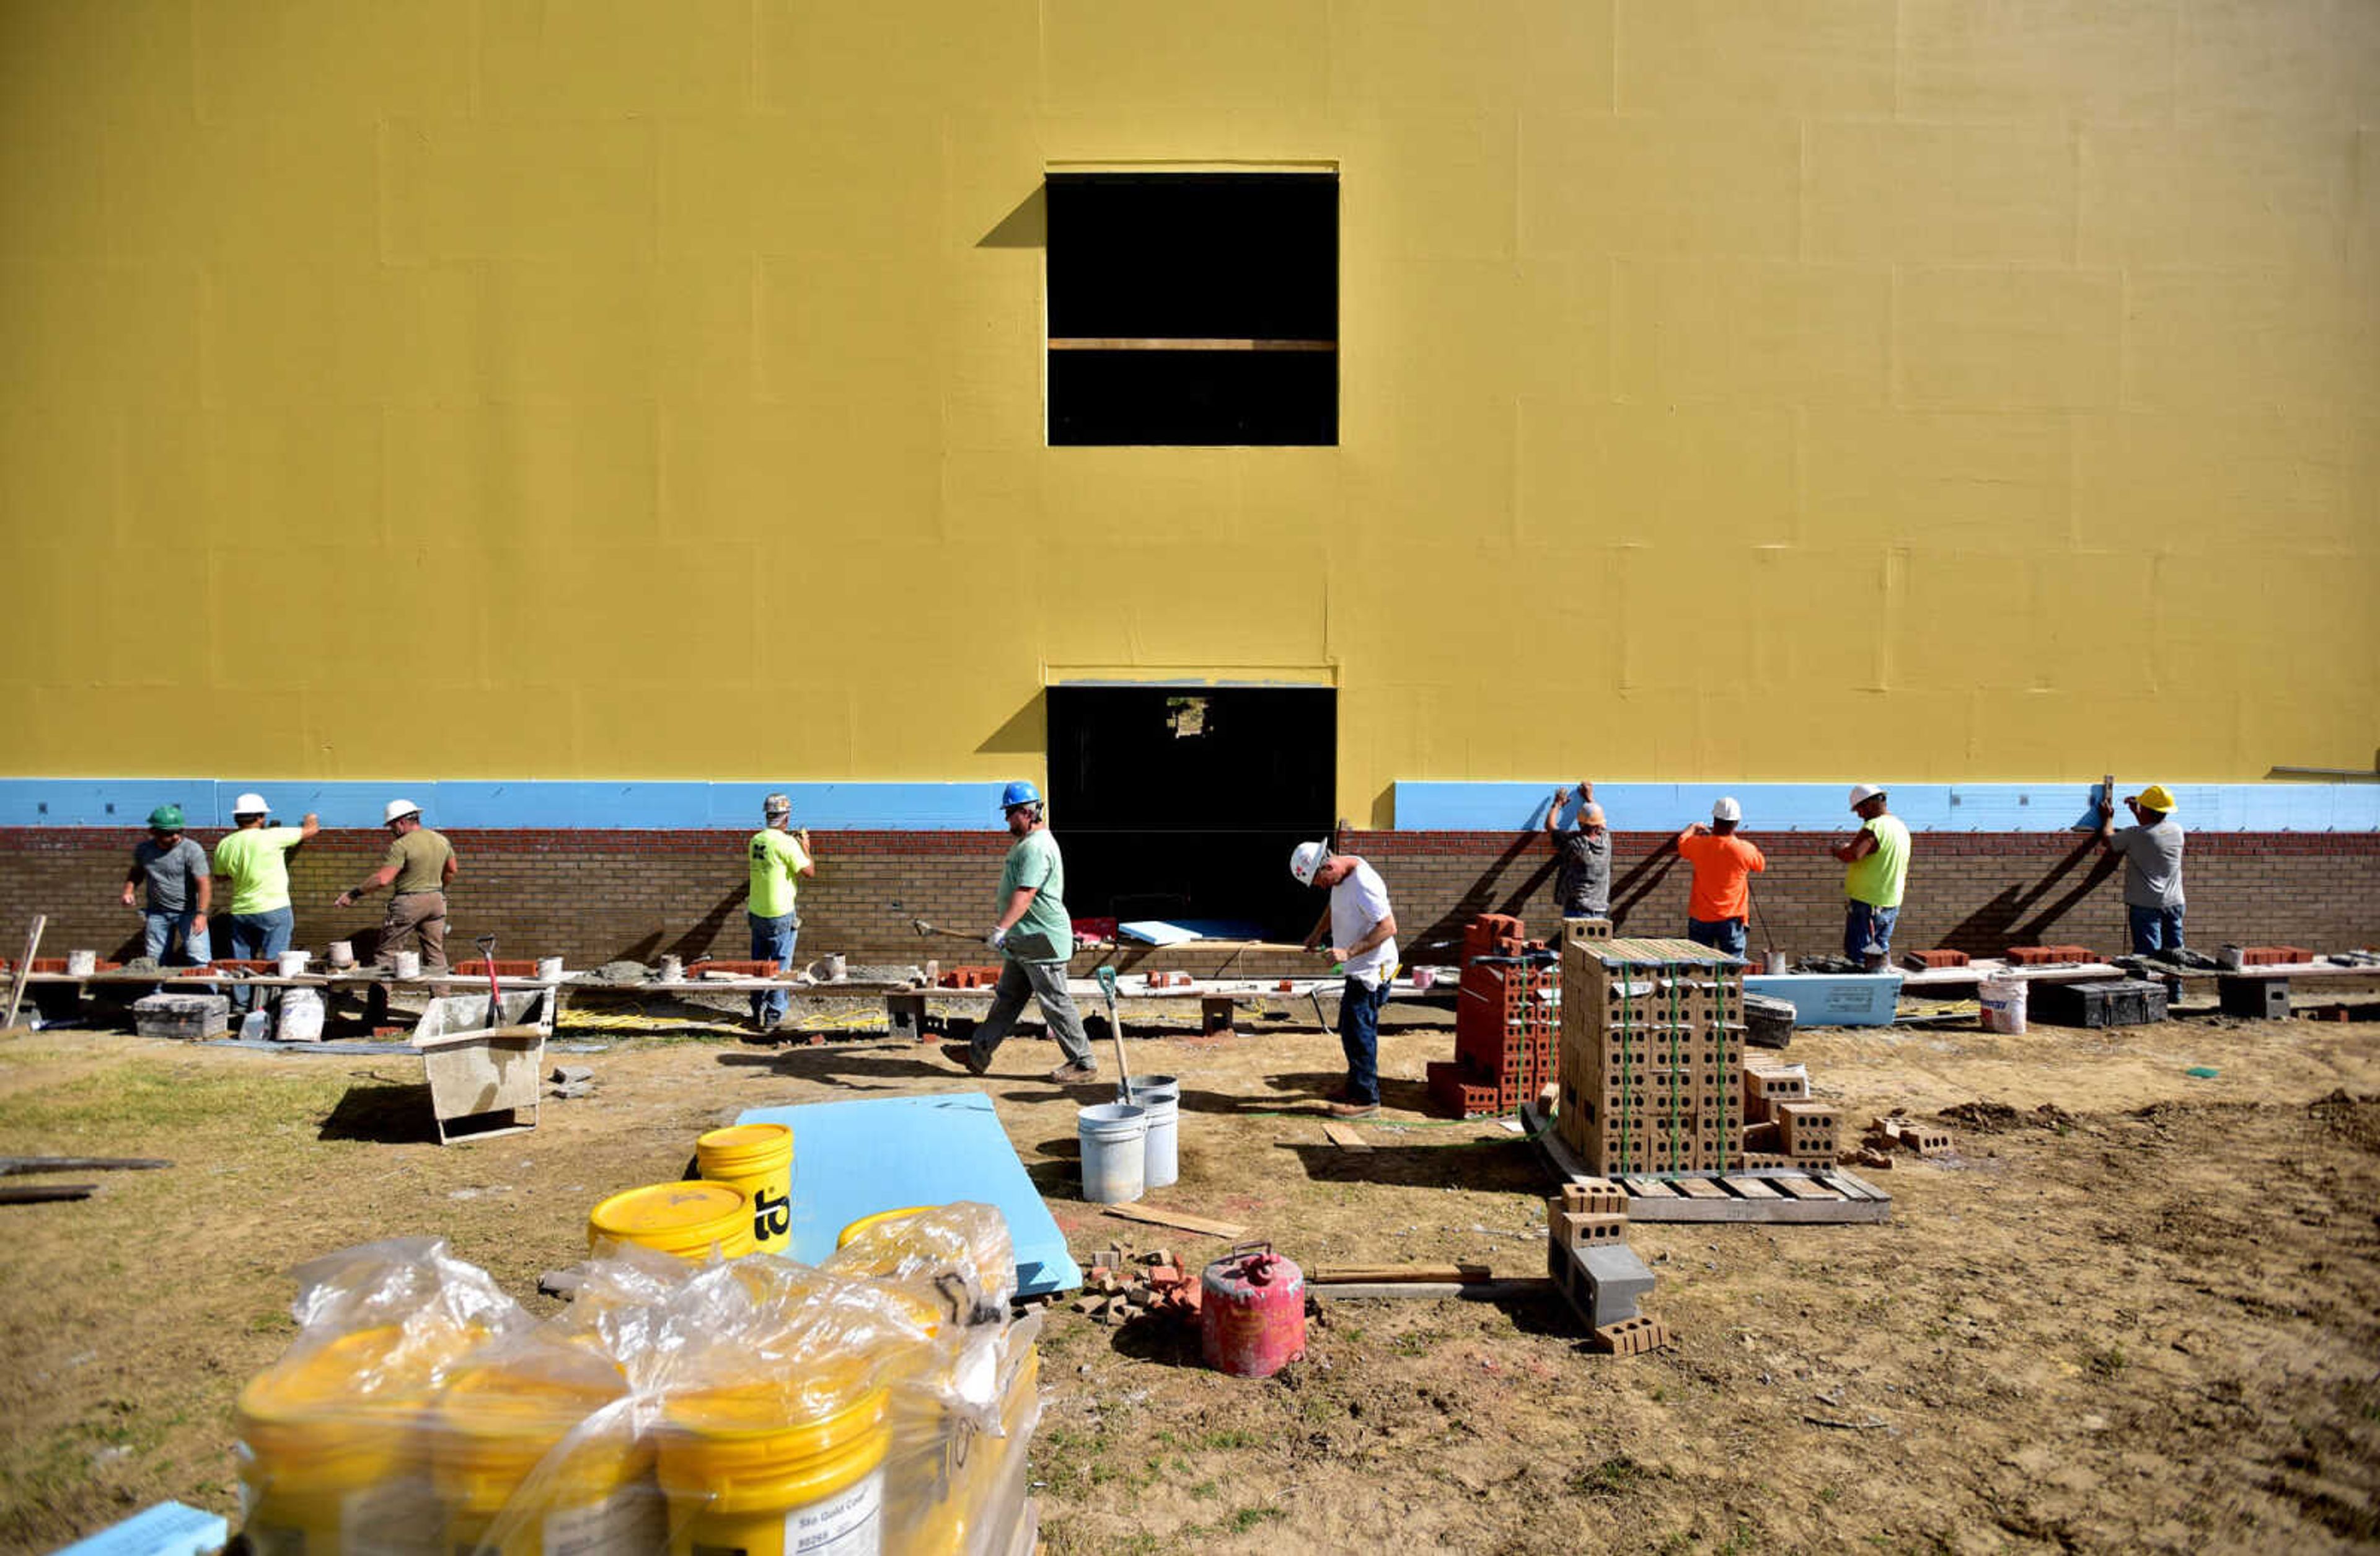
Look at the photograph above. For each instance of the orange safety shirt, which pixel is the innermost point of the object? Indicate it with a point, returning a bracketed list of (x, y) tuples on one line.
[(1722, 866)]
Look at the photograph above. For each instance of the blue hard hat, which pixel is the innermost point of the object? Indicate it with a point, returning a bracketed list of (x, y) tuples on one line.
[(1019, 793)]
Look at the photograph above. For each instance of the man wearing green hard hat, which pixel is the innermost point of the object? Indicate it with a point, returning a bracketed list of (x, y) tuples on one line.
[(2151, 854), (173, 921)]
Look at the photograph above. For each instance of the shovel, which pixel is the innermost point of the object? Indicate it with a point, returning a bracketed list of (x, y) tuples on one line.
[(487, 944), (1107, 977)]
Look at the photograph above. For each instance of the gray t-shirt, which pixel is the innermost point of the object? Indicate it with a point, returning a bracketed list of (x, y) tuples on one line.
[(170, 872), (1582, 874), (2152, 864)]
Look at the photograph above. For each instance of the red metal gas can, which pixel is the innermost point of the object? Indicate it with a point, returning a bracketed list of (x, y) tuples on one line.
[(1252, 1312)]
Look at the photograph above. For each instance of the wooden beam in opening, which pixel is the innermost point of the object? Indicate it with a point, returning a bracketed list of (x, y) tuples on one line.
[(1165, 343)]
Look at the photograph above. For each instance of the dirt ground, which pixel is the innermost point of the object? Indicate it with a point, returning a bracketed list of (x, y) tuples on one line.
[(2137, 1311)]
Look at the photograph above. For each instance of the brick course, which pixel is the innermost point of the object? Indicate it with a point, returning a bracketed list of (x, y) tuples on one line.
[(593, 895)]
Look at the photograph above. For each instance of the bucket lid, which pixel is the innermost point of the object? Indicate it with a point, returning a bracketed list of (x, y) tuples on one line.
[(344, 1408), (740, 1140), (851, 1233), (776, 1426), (1112, 1113), (677, 1217)]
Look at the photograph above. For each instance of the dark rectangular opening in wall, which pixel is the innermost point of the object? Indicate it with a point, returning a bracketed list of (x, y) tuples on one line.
[(1194, 308), (1185, 802)]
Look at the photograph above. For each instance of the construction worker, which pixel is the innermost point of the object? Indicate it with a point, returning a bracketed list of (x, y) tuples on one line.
[(1362, 931), (2152, 853), (777, 855), (1876, 861), (253, 860), (1582, 856), (1034, 938), (173, 922), (1718, 906), (416, 867)]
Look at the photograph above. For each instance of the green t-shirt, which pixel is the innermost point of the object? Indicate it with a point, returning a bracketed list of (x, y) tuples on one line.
[(1877, 879), (776, 859), (1045, 933), (420, 859), (254, 861)]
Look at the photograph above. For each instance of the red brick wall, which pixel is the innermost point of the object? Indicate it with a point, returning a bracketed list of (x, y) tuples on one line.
[(592, 895)]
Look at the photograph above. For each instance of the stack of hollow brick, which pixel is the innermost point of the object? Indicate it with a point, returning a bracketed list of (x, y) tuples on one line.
[(1782, 1126), (1503, 1021), (1592, 1265), (1651, 1064)]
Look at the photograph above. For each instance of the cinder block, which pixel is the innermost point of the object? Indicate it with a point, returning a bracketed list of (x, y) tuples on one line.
[(1614, 1279)]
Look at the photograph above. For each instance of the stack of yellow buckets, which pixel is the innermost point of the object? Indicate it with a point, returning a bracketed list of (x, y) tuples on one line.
[(702, 1392)]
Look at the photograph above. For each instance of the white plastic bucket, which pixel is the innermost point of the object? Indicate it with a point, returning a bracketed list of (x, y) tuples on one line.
[(1114, 1140), (301, 1016), (2002, 1005), (407, 964), (81, 964), (342, 954), (549, 970), (1160, 1098), (293, 962)]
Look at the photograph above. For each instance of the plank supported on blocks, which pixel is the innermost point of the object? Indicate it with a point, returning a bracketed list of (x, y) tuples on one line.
[(1821, 1195)]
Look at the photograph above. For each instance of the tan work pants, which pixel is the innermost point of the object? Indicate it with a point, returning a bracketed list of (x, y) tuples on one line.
[(417, 916)]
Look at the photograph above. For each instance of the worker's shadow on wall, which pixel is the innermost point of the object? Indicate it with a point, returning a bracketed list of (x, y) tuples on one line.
[(1482, 895), (383, 1113), (1642, 881), (2020, 916)]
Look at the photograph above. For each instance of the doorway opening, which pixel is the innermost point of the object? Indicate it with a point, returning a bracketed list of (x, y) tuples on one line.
[(1183, 802)]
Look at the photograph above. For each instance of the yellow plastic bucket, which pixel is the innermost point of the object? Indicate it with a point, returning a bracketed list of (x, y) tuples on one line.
[(748, 1470), (331, 1450), (685, 1219), (758, 1158), (493, 1428), (850, 1235)]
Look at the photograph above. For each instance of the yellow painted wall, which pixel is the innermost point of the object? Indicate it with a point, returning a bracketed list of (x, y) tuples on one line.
[(1770, 389)]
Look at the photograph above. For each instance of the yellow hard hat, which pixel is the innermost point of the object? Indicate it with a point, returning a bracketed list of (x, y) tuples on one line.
[(2157, 797)]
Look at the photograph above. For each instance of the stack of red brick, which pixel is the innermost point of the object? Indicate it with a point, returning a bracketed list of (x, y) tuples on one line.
[(1506, 1022)]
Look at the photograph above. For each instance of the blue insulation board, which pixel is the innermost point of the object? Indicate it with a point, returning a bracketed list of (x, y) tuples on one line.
[(1832, 998), (167, 1529), (854, 1158)]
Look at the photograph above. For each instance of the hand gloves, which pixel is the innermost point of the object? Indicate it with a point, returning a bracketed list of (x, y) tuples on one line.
[(997, 939)]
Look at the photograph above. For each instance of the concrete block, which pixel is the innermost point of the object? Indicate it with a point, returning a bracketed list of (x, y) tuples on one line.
[(564, 1075), (1613, 1280)]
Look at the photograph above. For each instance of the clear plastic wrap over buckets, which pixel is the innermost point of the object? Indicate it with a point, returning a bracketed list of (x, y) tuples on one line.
[(688, 1220), (677, 1404), (1160, 1151)]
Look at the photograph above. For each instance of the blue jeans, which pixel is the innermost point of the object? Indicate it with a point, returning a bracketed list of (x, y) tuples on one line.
[(1720, 934), (1359, 1035), (772, 941), (1867, 929), (168, 938), (259, 936), (2155, 929)]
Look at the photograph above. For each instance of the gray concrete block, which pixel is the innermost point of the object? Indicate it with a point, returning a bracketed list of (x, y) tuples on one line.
[(566, 1073), (1614, 1280)]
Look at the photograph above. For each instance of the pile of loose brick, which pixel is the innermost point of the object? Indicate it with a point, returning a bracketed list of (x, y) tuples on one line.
[(1123, 1288), (1897, 1133), (1596, 1271), (1783, 1125), (1504, 1019)]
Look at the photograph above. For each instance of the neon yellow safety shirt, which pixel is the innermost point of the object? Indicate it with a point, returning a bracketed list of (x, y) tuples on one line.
[(777, 857), (255, 861)]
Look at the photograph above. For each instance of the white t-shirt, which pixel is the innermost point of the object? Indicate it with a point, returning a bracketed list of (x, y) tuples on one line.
[(1357, 904)]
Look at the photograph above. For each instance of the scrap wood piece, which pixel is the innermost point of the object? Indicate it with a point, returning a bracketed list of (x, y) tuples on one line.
[(1440, 1291), (1327, 1274), (25, 970), (13, 1166), (1182, 1219), (1345, 1135), (43, 1193)]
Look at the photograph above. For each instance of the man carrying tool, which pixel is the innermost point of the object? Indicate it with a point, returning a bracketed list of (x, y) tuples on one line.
[(777, 854), (1721, 902), (1034, 938), (1363, 940), (253, 861), (2152, 853), (174, 924), (416, 867), (1877, 861), (1583, 857)]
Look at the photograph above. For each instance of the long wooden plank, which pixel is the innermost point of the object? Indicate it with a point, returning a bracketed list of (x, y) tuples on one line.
[(1181, 1220), (12, 1166), (1344, 1135), (1699, 1188), (1322, 1275), (1751, 1189), (1185, 343), (1855, 1187), (1418, 1291), (24, 970), (1804, 1188)]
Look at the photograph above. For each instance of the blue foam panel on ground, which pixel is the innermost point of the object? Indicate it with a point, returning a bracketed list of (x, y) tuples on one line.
[(854, 1158), (1832, 998), (167, 1529)]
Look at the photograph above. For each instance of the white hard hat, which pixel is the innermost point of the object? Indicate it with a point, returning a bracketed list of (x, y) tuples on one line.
[(776, 805), (250, 804), (1726, 809), (397, 808), (1306, 860), (1863, 793)]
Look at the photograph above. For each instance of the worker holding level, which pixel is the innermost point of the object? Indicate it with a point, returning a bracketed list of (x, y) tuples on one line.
[(415, 869), (1034, 938), (1719, 907), (777, 855), (1876, 861), (1363, 940), (1582, 855), (2151, 854), (253, 861), (174, 869)]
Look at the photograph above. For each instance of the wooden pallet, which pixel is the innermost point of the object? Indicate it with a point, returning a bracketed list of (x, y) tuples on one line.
[(1817, 1196)]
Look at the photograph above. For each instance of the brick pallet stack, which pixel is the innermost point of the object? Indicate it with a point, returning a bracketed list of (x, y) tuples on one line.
[(1503, 1021), (1651, 1063)]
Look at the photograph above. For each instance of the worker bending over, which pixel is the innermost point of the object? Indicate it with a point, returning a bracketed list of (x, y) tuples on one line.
[(1876, 864), (1034, 937), (777, 855), (1362, 941), (416, 867), (2152, 853), (1582, 855), (1719, 907)]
